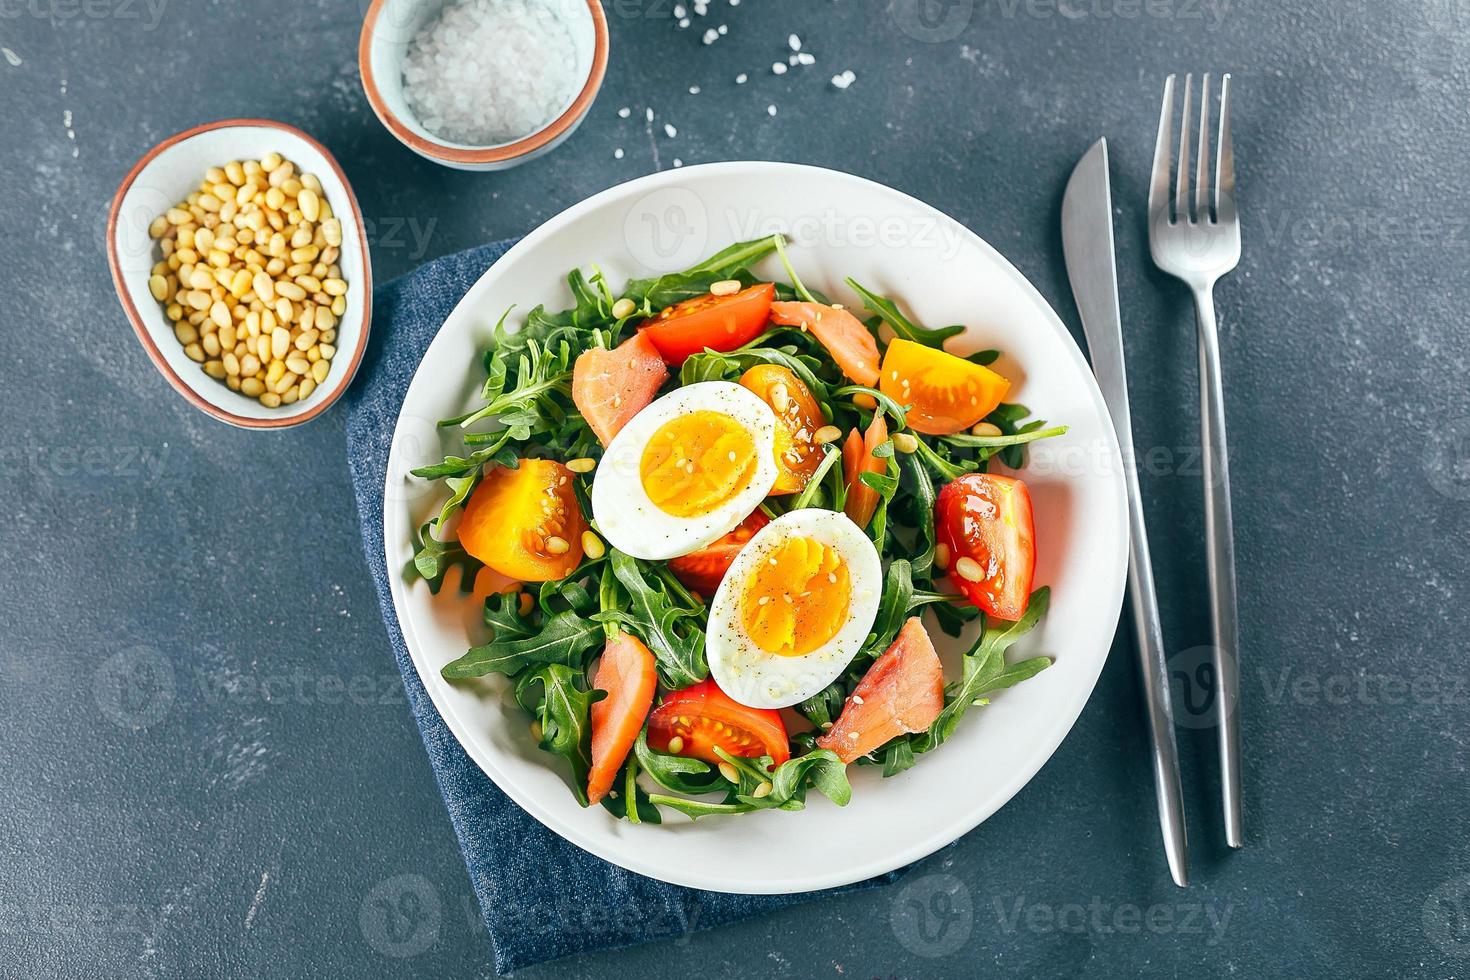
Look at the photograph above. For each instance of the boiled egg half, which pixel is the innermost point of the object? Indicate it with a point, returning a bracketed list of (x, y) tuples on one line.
[(685, 471), (794, 608)]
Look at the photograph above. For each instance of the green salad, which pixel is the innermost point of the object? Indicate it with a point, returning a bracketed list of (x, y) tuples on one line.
[(708, 509)]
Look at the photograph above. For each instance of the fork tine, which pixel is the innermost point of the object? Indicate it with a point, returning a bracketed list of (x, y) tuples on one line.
[(1181, 184), (1225, 160), (1158, 188), (1202, 157)]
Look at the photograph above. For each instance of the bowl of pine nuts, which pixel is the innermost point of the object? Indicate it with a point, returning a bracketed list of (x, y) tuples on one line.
[(238, 253)]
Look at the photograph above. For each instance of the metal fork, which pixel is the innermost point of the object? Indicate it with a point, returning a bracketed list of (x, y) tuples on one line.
[(1199, 246)]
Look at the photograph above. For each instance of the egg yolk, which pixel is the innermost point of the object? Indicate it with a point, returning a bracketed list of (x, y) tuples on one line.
[(796, 599), (696, 463)]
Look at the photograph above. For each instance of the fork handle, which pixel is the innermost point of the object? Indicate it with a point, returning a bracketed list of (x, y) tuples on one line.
[(1220, 553)]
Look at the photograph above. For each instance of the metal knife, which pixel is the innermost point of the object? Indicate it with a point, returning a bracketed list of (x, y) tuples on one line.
[(1087, 241)]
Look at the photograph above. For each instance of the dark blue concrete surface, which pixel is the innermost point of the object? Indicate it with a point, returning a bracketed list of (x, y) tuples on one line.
[(208, 767)]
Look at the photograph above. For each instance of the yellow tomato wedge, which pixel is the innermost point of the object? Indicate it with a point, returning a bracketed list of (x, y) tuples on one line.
[(798, 417), (947, 393), (525, 523)]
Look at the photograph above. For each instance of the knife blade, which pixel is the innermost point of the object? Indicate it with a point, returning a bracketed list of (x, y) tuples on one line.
[(1087, 243)]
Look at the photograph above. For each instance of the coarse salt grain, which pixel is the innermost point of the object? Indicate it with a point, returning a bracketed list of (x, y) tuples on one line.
[(624, 112), (485, 72), (770, 110), (794, 43), (741, 78), (670, 131), (618, 153), (779, 68), (843, 80)]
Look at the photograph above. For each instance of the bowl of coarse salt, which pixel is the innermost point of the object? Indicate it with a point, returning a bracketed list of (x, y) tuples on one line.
[(482, 84)]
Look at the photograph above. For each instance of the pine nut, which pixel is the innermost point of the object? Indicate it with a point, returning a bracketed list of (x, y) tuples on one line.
[(307, 387), (252, 387), (186, 333), (780, 398), (623, 308), (985, 429), (941, 555), (306, 340), (280, 343), (969, 569), (290, 290), (762, 791), (557, 545), (582, 464), (328, 350), (827, 433), (730, 773), (286, 382), (269, 399), (592, 545), (725, 287), (319, 370), (864, 400), (158, 286), (194, 352), (211, 344), (215, 369), (676, 745), (298, 363), (905, 442), (290, 395), (232, 364)]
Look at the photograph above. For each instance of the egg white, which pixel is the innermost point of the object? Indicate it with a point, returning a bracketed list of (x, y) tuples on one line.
[(759, 679), (633, 523)]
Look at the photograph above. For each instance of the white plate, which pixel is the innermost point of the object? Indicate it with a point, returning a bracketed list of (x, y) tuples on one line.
[(841, 226)]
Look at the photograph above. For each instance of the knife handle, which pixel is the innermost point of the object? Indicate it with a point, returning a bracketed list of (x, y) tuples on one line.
[(1154, 672)]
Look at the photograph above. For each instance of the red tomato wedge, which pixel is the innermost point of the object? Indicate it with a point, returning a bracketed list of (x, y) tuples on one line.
[(609, 387), (985, 521), (628, 675), (702, 570), (902, 692), (857, 459), (844, 336), (947, 393), (703, 717), (717, 322)]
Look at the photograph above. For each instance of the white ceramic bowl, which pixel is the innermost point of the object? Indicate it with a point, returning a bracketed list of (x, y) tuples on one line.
[(386, 32), (841, 226), (168, 173)]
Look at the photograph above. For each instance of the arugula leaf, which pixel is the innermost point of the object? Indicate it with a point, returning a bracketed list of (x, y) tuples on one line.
[(984, 666), (809, 492), (901, 325), (675, 773), (433, 558), (564, 713), (895, 411), (923, 507), (898, 756), (1017, 438), (503, 616), (677, 645), (654, 294), (627, 788), (712, 365), (563, 640)]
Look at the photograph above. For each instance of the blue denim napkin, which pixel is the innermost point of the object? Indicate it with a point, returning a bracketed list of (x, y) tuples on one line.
[(565, 901)]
